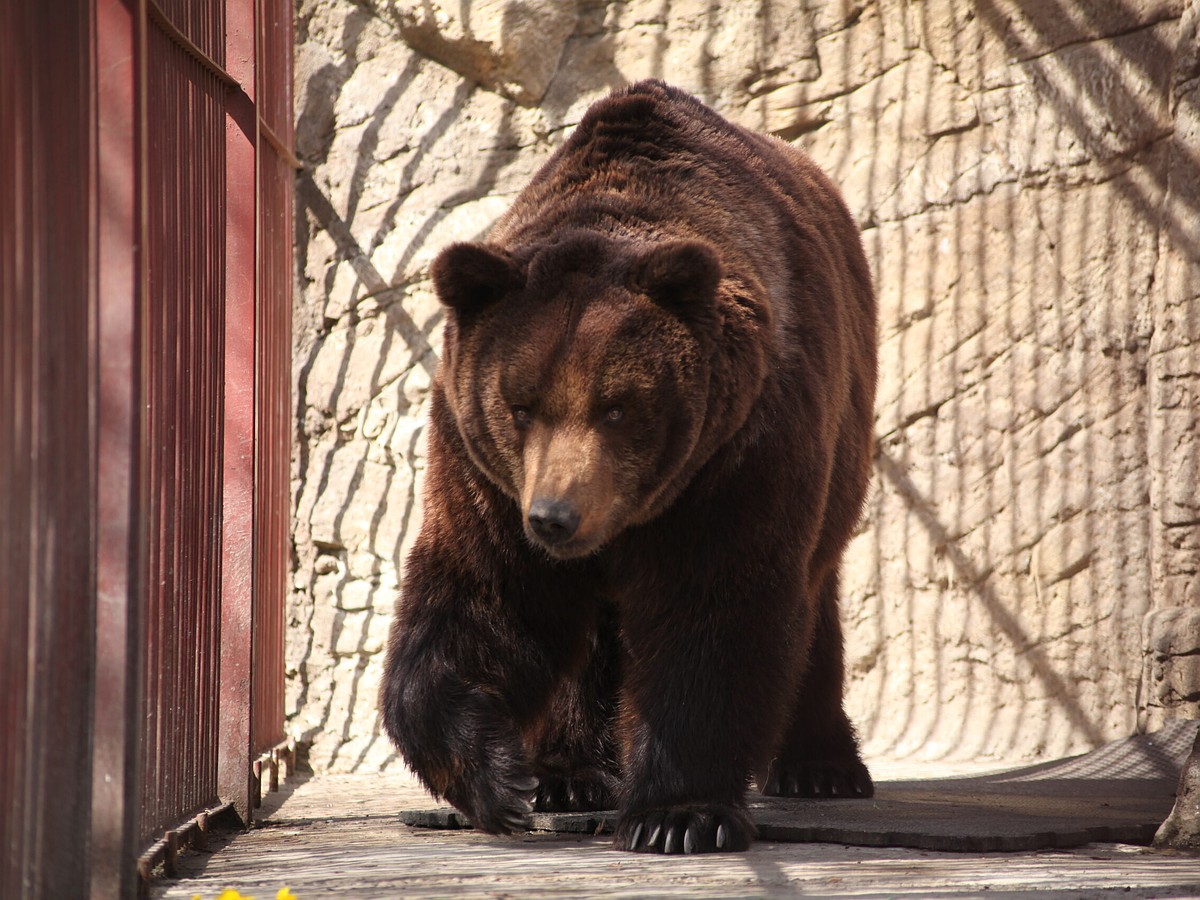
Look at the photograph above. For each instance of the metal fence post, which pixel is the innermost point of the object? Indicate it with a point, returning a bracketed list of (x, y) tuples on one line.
[(237, 581)]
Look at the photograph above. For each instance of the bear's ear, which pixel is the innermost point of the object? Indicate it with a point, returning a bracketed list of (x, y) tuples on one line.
[(680, 275), (469, 276)]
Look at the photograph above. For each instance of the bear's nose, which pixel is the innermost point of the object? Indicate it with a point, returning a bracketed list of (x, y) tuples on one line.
[(554, 521)]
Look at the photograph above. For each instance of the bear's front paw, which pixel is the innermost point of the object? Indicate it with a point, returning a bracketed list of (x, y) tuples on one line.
[(498, 802), (698, 828), (580, 793), (819, 778)]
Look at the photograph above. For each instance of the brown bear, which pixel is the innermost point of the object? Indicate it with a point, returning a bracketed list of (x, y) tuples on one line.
[(649, 442)]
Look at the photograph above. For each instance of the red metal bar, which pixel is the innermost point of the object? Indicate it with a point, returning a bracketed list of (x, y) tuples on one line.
[(46, 482), (14, 453), (273, 413), (120, 540), (16, 402), (237, 544)]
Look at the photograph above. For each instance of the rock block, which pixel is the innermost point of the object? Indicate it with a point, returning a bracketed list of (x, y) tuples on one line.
[(1181, 830), (509, 46)]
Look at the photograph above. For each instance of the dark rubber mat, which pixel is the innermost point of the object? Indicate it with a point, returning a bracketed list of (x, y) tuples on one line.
[(1121, 792)]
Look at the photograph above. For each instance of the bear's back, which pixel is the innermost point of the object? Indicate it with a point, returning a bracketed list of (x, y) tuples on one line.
[(651, 163)]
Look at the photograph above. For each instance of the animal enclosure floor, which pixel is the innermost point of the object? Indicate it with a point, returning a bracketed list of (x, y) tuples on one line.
[(1118, 793), (342, 835)]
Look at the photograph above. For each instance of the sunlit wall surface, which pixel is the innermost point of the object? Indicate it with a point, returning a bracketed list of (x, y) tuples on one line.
[(1025, 174)]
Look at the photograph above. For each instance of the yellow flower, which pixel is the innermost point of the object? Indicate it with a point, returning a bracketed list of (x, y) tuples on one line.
[(231, 894)]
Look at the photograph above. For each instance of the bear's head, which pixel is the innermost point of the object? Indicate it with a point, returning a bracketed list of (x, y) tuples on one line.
[(578, 373)]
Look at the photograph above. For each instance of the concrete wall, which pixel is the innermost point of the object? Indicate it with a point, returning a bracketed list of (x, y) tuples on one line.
[(1025, 173)]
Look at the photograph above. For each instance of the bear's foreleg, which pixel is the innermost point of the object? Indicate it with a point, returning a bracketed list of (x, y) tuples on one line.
[(469, 666), (701, 706)]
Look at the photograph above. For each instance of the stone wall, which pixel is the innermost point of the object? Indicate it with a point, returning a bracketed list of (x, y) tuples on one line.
[(1025, 175)]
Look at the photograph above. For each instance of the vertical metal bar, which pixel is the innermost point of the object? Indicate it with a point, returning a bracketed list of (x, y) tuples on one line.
[(179, 252), (151, 357), (209, 390), (204, 314), (66, 609), (238, 516), (216, 412), (16, 333), (46, 504), (118, 47), (273, 432), (206, 482)]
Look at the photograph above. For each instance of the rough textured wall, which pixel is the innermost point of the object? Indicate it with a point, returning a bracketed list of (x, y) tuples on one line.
[(1025, 174)]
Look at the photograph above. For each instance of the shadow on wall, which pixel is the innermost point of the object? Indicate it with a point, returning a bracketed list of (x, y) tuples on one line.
[(363, 367), (1021, 263), (1027, 188)]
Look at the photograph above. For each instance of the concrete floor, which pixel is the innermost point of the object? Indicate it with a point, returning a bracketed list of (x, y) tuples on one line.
[(338, 835)]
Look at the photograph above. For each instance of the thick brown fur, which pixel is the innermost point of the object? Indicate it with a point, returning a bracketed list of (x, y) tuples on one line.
[(649, 444)]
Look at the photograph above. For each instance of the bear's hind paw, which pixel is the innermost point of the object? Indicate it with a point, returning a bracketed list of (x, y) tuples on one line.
[(819, 778), (556, 793), (685, 829)]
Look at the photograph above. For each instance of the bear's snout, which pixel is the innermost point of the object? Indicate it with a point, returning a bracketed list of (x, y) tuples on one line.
[(553, 521)]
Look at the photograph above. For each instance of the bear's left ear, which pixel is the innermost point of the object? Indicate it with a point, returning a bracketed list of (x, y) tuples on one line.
[(468, 277), (679, 275)]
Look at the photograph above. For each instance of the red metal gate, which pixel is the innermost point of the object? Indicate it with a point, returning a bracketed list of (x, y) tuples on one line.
[(145, 270)]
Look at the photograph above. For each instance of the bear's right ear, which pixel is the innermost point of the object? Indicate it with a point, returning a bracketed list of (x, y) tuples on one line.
[(470, 276), (681, 276)]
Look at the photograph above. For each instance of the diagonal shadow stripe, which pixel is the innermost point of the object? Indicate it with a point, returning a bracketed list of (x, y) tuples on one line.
[(339, 230), (970, 574), (1087, 80)]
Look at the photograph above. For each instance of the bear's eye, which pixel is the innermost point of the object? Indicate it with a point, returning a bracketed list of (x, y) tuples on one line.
[(522, 418), (614, 415)]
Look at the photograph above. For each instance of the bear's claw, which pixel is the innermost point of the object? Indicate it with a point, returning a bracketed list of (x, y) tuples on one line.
[(685, 829)]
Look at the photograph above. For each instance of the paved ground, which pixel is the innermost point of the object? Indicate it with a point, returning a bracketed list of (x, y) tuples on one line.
[(340, 836), (1121, 792)]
